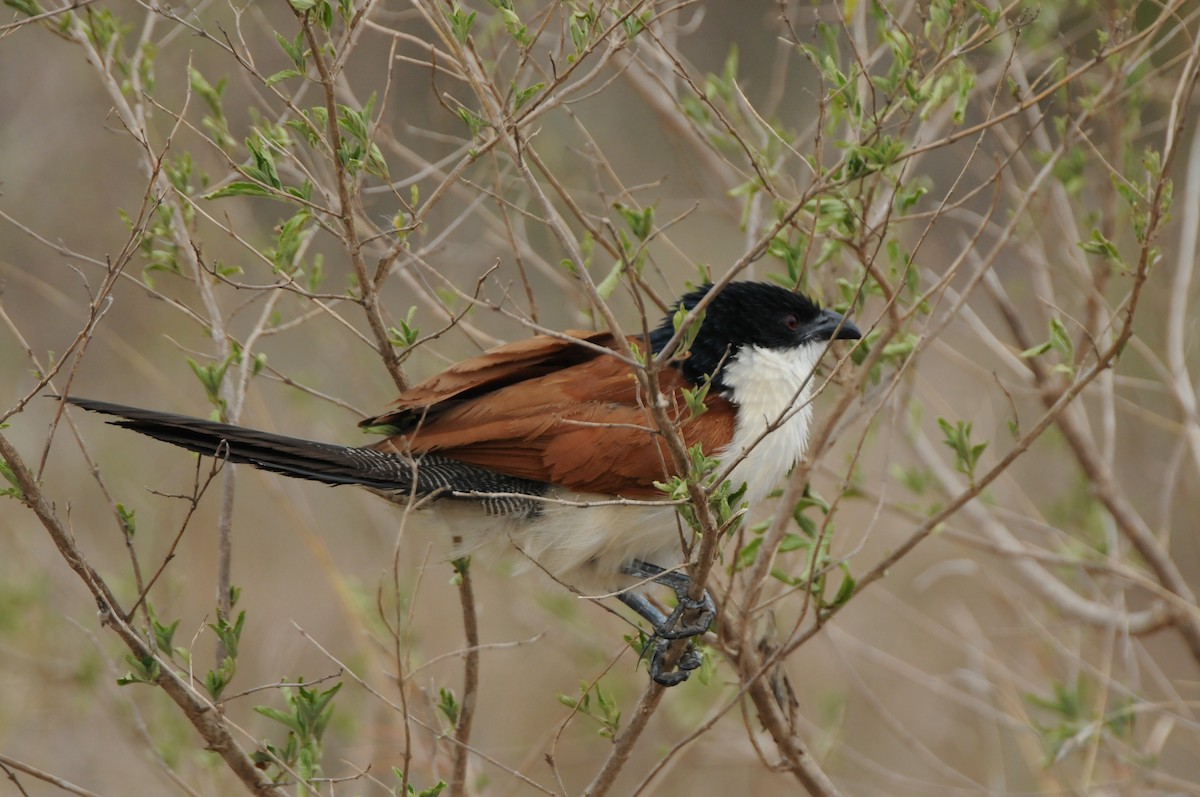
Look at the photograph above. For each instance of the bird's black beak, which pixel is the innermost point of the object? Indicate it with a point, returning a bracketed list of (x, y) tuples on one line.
[(832, 325)]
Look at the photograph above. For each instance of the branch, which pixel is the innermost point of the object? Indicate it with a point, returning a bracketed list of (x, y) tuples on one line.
[(201, 713)]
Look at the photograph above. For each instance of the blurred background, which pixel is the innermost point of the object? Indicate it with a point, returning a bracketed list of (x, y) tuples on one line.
[(994, 192)]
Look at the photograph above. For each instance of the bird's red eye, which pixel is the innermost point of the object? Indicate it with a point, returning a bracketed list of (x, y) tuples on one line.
[(792, 322)]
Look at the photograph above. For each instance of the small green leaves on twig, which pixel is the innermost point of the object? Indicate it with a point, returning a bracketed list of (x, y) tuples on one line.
[(359, 152), (584, 23), (604, 709), (29, 8), (512, 22), (460, 23), (211, 376), (814, 540), (689, 334), (725, 501), (474, 122), (791, 248), (521, 96), (295, 49), (633, 255), (1103, 247), (127, 519), (865, 159), (695, 398), (142, 670), (1140, 194), (230, 635), (1060, 341), (321, 11), (633, 24), (640, 222), (307, 715), (407, 333), (448, 704), (958, 439), (213, 96), (14, 489), (164, 635), (413, 791)]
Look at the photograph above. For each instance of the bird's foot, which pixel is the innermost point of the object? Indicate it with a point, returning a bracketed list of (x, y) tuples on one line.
[(668, 628)]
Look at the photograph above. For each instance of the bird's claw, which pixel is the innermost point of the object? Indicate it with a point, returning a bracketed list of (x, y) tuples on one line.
[(690, 660), (707, 609)]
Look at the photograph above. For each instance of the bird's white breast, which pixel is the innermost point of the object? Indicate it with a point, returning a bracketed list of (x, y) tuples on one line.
[(772, 388)]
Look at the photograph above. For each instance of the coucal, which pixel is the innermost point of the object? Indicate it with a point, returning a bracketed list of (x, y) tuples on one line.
[(506, 445)]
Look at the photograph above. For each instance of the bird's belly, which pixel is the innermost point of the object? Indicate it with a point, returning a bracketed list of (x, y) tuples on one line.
[(581, 546)]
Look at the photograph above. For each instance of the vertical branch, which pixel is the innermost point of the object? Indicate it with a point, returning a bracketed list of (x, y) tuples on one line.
[(347, 192), (466, 710)]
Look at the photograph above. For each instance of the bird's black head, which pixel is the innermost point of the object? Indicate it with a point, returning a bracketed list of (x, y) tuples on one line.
[(750, 314)]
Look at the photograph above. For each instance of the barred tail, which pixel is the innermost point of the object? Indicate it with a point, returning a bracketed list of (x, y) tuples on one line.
[(291, 456)]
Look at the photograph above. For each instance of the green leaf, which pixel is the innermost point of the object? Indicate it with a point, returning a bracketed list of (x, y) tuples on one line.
[(640, 222), (230, 634), (448, 705), (1060, 339), (14, 491), (144, 670), (604, 708), (958, 438), (283, 75), (295, 48), (29, 8), (635, 24), (797, 542), (212, 95), (461, 23), (911, 192), (515, 27), (521, 96), (407, 334), (611, 280), (282, 717), (238, 188), (1103, 247), (164, 634), (472, 120), (1034, 351), (432, 791), (689, 336), (128, 521), (262, 165), (211, 376), (216, 680), (845, 589), (695, 398), (989, 16)]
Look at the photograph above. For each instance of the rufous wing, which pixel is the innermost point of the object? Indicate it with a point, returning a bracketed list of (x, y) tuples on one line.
[(494, 369), (585, 426)]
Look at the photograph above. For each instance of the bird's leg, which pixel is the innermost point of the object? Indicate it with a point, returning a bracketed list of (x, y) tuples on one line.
[(665, 627)]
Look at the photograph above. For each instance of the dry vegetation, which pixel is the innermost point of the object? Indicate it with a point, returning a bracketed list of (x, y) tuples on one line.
[(981, 581)]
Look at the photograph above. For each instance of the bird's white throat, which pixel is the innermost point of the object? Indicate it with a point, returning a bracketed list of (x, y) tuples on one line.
[(773, 390)]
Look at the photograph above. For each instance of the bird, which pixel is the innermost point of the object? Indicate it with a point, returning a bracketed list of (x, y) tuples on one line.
[(548, 444)]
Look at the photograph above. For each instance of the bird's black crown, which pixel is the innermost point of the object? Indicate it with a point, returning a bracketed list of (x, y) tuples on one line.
[(748, 313)]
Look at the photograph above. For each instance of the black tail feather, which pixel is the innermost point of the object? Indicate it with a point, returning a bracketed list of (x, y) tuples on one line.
[(291, 456), (388, 473)]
